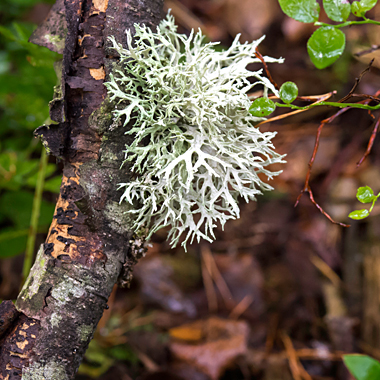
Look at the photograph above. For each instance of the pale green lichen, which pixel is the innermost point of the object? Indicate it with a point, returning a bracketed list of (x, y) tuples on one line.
[(85, 332), (196, 147), (36, 276), (64, 291), (55, 319), (53, 370), (57, 41)]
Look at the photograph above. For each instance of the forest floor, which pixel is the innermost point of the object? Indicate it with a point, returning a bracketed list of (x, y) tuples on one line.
[(283, 292)]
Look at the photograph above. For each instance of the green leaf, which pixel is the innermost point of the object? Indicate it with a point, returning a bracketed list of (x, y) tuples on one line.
[(53, 184), (337, 10), (12, 242), (262, 107), (5, 65), (359, 8), (325, 46), (7, 33), (365, 194), (358, 214), (288, 92), (17, 206), (125, 353), (368, 4), (362, 367), (98, 362), (301, 10)]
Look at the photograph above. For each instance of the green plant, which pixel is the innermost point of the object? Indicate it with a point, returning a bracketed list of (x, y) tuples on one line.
[(364, 195), (362, 367), (27, 78), (325, 46), (327, 43), (196, 147)]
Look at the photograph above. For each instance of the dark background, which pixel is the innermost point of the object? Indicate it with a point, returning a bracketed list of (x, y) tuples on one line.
[(282, 292)]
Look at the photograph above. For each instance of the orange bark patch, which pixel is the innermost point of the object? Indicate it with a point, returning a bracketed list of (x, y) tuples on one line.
[(22, 345), (98, 74), (23, 356), (62, 241), (99, 6)]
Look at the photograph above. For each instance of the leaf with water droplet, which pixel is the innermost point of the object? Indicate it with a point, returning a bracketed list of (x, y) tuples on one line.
[(365, 194), (288, 92), (301, 10), (325, 46), (359, 8), (337, 10), (358, 214), (262, 107)]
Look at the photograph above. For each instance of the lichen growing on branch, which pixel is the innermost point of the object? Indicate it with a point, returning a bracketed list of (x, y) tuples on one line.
[(196, 148)]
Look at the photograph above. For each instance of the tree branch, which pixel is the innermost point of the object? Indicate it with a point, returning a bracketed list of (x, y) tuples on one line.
[(87, 246)]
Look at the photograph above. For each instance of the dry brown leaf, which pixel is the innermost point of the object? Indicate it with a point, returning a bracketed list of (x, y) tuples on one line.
[(188, 333), (224, 341)]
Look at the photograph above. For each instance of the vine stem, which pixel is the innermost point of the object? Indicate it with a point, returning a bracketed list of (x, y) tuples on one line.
[(331, 104), (28, 259), (349, 23)]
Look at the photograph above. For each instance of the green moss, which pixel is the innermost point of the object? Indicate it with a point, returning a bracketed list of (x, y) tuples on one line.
[(36, 277), (101, 119)]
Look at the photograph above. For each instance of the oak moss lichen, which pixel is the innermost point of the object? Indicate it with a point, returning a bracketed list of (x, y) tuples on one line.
[(196, 149)]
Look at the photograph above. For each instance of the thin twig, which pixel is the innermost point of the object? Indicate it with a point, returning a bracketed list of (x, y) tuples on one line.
[(261, 58), (241, 307), (371, 97), (311, 196), (316, 354), (321, 98), (357, 81), (326, 270), (218, 278), (272, 333), (306, 187), (295, 365), (208, 284), (370, 142), (29, 251), (367, 51)]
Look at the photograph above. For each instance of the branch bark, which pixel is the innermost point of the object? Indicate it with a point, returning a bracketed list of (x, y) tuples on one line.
[(89, 244)]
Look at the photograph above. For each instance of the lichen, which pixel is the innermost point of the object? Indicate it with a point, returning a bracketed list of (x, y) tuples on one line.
[(85, 332), (36, 276), (53, 370), (64, 291), (196, 148), (55, 319), (57, 41)]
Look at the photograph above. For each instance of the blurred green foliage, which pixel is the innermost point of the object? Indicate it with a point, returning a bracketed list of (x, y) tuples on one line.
[(27, 78)]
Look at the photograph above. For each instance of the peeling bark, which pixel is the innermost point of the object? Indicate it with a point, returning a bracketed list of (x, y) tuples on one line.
[(88, 244)]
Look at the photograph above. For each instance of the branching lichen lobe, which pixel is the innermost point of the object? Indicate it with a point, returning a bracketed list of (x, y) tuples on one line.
[(196, 148)]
